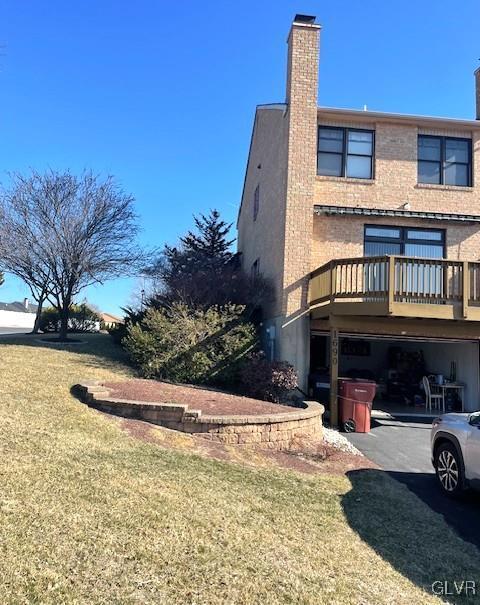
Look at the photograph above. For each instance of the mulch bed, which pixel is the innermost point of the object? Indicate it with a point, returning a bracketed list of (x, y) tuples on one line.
[(209, 401)]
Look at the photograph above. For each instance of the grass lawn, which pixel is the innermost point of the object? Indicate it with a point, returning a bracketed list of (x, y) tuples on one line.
[(90, 514)]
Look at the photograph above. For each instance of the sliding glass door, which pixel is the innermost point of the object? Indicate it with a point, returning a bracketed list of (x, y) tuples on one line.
[(425, 279)]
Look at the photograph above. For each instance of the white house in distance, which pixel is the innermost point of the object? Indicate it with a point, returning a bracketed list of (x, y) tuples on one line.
[(17, 314)]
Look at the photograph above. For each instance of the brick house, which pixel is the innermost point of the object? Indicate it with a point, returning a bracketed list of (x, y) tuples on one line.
[(368, 226)]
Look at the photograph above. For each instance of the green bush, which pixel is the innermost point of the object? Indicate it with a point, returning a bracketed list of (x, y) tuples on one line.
[(81, 319), (120, 331), (49, 320), (183, 344)]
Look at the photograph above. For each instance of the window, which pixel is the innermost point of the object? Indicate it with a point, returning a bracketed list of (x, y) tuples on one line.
[(255, 270), (345, 152), (444, 161), (421, 243), (256, 202)]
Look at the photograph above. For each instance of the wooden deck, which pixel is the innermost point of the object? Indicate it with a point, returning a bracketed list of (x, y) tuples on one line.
[(396, 286)]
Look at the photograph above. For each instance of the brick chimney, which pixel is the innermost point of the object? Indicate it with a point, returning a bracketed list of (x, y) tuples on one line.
[(477, 92), (301, 115), (302, 68), (302, 92)]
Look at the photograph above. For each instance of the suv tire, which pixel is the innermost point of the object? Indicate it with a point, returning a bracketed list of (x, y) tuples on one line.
[(449, 469)]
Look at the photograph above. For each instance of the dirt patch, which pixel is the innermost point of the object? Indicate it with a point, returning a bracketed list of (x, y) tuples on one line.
[(310, 457), (209, 401)]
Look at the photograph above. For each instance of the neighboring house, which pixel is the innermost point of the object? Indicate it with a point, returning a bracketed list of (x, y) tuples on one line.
[(110, 321), (339, 209), (17, 314)]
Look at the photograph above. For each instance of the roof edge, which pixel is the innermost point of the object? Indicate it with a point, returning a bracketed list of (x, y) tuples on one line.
[(258, 108), (401, 117), (271, 106)]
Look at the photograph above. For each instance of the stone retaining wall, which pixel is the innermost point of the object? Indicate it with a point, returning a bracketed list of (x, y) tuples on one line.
[(274, 431)]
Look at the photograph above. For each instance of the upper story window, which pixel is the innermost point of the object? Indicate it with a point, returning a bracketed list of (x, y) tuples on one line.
[(444, 160), (381, 240), (256, 202), (345, 152)]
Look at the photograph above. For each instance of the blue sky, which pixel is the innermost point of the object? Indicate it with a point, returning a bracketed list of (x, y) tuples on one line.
[(162, 94)]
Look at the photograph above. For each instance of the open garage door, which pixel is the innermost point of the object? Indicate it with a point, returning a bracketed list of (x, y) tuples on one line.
[(398, 364)]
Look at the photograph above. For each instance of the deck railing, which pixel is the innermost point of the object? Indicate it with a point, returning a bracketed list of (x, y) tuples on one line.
[(397, 279)]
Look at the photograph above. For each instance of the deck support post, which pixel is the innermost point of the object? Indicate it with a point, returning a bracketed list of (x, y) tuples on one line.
[(334, 376)]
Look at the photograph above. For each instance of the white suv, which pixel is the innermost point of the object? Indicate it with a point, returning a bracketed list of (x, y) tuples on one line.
[(455, 440)]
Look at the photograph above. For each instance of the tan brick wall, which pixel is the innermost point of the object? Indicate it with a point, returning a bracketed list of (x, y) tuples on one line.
[(282, 235), (264, 238), (302, 91), (342, 237), (284, 144), (289, 240), (394, 184), (395, 181)]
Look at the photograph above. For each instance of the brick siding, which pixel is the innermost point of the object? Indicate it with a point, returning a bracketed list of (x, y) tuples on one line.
[(288, 238)]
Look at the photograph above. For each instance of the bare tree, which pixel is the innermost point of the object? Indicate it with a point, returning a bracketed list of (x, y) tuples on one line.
[(81, 231)]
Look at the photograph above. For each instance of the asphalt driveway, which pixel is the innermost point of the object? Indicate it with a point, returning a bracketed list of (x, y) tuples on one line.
[(6, 331), (403, 450), (396, 446)]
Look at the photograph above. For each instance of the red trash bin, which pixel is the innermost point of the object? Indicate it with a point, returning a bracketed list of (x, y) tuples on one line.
[(355, 398)]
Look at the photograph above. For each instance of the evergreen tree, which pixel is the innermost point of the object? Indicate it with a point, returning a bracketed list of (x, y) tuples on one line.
[(210, 246), (203, 251), (201, 271)]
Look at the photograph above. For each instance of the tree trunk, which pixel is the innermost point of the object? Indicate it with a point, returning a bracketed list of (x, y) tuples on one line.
[(36, 325), (64, 313)]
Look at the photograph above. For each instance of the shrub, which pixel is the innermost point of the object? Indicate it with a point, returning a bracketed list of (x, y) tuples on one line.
[(202, 271), (49, 320), (120, 331), (81, 319), (183, 344), (268, 380)]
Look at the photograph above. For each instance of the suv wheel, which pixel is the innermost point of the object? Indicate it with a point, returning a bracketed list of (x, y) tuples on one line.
[(448, 467)]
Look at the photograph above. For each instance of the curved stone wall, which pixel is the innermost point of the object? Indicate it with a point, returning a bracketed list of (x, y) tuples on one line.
[(274, 431)]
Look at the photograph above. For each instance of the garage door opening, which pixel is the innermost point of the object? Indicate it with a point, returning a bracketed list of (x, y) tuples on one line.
[(398, 367)]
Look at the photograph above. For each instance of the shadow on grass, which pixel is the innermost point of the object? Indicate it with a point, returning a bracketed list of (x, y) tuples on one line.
[(95, 350), (461, 514), (417, 544)]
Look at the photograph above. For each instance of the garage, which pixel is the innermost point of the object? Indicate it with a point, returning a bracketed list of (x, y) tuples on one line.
[(398, 366)]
